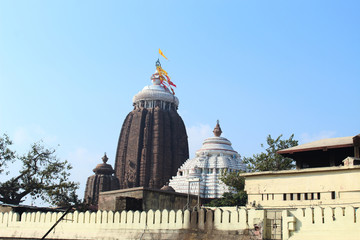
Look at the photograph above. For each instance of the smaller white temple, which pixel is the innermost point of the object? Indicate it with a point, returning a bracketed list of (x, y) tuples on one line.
[(215, 156)]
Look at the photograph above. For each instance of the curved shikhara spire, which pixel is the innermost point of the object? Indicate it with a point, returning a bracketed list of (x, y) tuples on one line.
[(153, 141)]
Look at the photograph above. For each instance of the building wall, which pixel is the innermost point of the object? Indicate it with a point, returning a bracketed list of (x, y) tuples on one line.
[(204, 224), (151, 199), (330, 186), (321, 223), (108, 202), (222, 223)]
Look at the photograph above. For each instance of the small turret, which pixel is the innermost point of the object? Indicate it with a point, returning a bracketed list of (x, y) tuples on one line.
[(102, 181)]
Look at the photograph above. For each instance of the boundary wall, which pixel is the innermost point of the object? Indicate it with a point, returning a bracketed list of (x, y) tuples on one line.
[(227, 223), (321, 223), (203, 224)]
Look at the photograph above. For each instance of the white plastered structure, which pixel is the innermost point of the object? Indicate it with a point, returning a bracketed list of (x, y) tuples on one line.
[(215, 157)]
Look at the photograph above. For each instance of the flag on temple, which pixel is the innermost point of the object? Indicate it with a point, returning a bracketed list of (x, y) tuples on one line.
[(162, 54), (164, 78)]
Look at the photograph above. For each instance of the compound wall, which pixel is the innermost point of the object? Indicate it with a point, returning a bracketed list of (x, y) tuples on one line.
[(321, 223), (203, 224)]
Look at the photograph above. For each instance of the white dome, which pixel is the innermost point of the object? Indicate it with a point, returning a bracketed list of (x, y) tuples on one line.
[(215, 156), (155, 92), (216, 144)]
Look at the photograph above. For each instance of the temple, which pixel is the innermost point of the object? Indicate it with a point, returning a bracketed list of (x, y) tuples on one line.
[(103, 180), (153, 141), (215, 157)]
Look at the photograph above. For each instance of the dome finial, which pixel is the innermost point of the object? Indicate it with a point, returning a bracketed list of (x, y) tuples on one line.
[(217, 130), (105, 158), (157, 64)]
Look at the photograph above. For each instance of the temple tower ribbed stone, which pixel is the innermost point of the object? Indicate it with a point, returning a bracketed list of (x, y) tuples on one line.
[(103, 180), (153, 141)]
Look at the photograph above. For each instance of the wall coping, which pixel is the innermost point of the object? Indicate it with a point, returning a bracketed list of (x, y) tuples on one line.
[(145, 189), (302, 171)]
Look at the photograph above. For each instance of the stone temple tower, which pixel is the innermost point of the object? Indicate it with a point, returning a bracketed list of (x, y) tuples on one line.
[(153, 141), (103, 180)]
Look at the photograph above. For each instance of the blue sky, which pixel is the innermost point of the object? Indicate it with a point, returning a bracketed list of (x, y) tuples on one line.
[(69, 70)]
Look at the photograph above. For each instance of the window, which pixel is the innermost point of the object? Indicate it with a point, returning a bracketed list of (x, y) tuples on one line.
[(262, 197), (272, 196), (312, 196), (305, 196), (284, 196), (318, 196), (333, 195), (291, 196), (180, 173), (298, 196)]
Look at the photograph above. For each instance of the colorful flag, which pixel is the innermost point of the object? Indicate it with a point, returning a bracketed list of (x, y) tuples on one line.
[(161, 53), (165, 79)]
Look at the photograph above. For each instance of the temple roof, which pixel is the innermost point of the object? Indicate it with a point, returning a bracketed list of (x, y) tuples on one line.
[(215, 155), (155, 92), (216, 144), (216, 152), (104, 168)]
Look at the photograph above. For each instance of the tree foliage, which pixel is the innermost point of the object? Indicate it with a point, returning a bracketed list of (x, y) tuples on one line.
[(233, 180), (236, 196), (270, 160), (42, 176), (6, 155)]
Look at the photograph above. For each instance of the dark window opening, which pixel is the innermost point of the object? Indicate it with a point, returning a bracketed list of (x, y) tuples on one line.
[(284, 196), (262, 197), (312, 196), (272, 196), (267, 196), (298, 196), (318, 196), (291, 196), (305, 196), (333, 195)]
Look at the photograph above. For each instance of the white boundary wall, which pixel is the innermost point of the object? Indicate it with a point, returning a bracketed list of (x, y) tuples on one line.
[(322, 223), (302, 223), (125, 224)]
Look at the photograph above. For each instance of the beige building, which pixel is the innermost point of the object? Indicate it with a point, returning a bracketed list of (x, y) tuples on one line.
[(326, 186), (327, 174)]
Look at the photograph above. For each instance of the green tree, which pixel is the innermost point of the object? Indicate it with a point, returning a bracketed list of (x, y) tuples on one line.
[(270, 160), (6, 155), (236, 196), (42, 176)]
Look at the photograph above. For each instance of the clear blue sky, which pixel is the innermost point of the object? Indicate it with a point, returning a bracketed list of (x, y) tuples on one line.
[(69, 70)]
